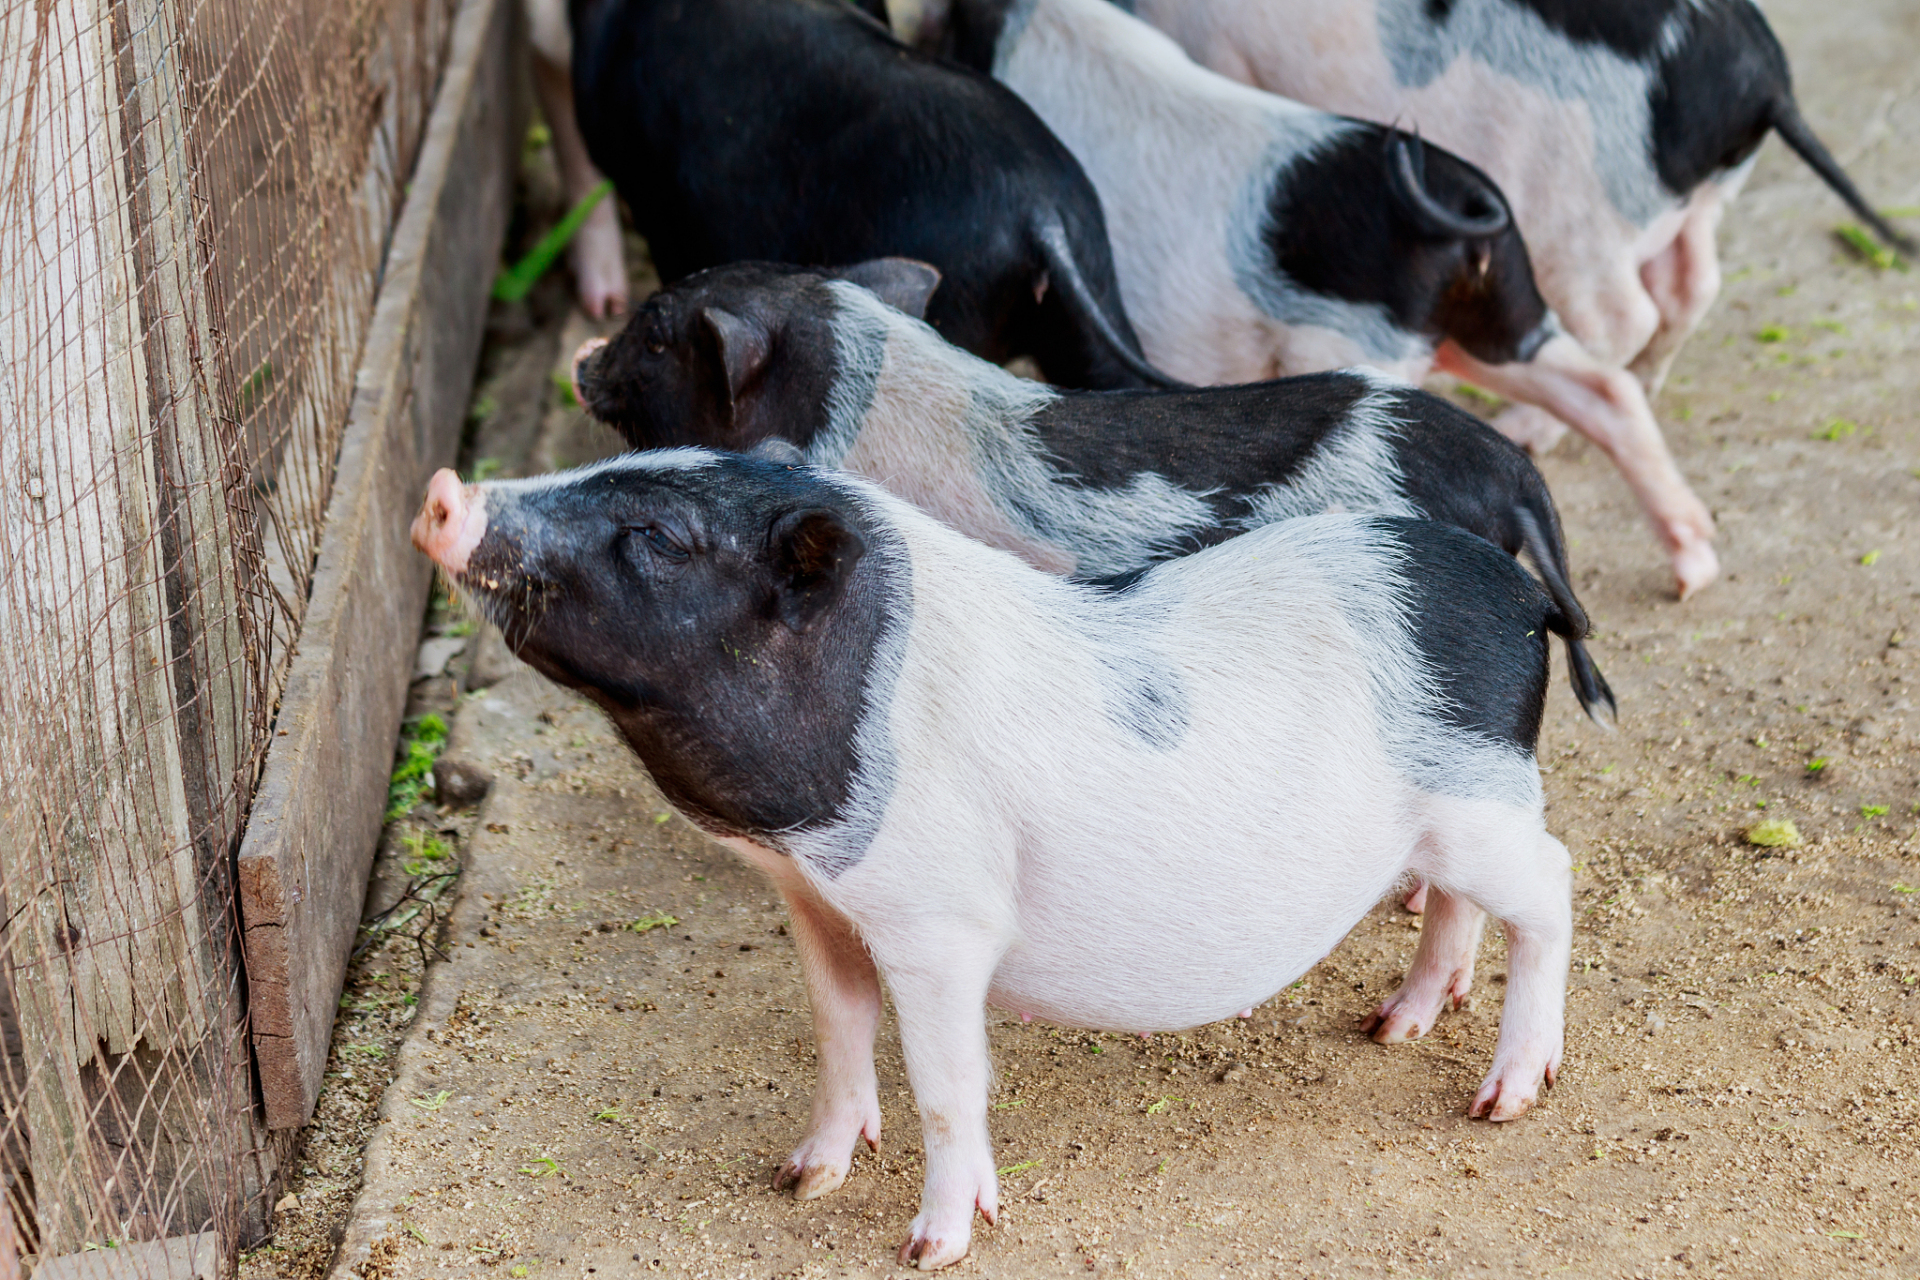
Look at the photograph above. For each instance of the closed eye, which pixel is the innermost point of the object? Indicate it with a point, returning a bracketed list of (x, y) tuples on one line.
[(660, 542)]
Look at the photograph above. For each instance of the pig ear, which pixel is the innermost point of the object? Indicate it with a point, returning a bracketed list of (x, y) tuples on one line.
[(744, 346), (776, 450), (905, 284), (813, 556)]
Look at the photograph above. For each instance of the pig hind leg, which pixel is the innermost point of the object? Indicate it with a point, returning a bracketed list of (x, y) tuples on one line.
[(1683, 279), (1441, 973), (1510, 867), (844, 989)]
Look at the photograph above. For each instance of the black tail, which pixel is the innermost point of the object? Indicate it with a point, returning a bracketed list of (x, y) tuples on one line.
[(1569, 622), (1064, 270), (1793, 131)]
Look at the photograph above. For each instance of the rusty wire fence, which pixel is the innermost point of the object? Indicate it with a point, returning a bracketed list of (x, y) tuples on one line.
[(195, 201)]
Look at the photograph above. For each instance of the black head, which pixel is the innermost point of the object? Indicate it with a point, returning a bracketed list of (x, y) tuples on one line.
[(1380, 216), (735, 355), (723, 609)]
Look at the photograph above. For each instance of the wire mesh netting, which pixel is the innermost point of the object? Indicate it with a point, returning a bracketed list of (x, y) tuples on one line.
[(195, 201)]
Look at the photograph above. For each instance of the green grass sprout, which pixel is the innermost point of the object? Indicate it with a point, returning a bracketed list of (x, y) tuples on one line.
[(1875, 254), (1774, 833), (517, 281)]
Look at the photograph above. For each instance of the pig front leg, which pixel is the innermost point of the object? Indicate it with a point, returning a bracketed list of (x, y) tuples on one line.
[(1609, 407), (596, 254), (844, 989), (1441, 973), (943, 1034)]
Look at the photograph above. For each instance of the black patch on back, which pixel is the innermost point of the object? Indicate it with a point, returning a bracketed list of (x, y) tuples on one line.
[(1479, 622), (1337, 229), (1713, 96), (1630, 28), (1233, 438), (1460, 471)]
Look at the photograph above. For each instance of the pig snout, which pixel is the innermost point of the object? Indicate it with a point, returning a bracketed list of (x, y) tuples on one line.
[(587, 351), (451, 521)]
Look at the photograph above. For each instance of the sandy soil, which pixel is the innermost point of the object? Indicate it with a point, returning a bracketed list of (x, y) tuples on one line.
[(579, 1093)]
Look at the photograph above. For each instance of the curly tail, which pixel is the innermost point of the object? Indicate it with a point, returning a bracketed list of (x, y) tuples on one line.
[(1569, 622), (1050, 236)]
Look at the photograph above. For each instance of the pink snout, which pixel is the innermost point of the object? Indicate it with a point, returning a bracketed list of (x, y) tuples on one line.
[(451, 521), (587, 348)]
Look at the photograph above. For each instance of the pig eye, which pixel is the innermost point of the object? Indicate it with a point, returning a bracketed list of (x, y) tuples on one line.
[(660, 542), (655, 346)]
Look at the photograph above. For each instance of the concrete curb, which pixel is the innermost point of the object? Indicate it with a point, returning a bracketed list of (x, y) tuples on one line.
[(373, 1217)]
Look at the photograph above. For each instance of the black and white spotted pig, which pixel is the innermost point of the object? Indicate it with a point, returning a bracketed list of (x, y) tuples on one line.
[(1256, 236), (1092, 483), (1136, 809), (1618, 129)]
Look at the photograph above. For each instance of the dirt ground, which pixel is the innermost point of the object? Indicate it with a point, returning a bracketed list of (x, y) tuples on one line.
[(617, 1055)]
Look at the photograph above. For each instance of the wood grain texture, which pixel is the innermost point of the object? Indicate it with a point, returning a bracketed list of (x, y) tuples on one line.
[(317, 815)]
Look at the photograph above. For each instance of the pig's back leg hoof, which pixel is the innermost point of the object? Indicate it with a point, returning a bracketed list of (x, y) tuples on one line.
[(1509, 1094), (821, 1163), (939, 1240), (1441, 973), (1694, 566), (1530, 894)]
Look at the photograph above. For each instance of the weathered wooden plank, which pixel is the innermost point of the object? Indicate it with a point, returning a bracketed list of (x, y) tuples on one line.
[(317, 814), (194, 1257)]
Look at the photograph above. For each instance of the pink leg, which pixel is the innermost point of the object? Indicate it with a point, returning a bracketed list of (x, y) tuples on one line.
[(844, 988), (1441, 973), (1539, 927), (1609, 407), (939, 996), (596, 254), (1683, 279)]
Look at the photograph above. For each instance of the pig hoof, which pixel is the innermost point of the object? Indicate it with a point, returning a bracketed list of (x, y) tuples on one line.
[(811, 1181), (931, 1253), (1509, 1092), (1694, 566), (1416, 899), (1392, 1025), (1533, 429)]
